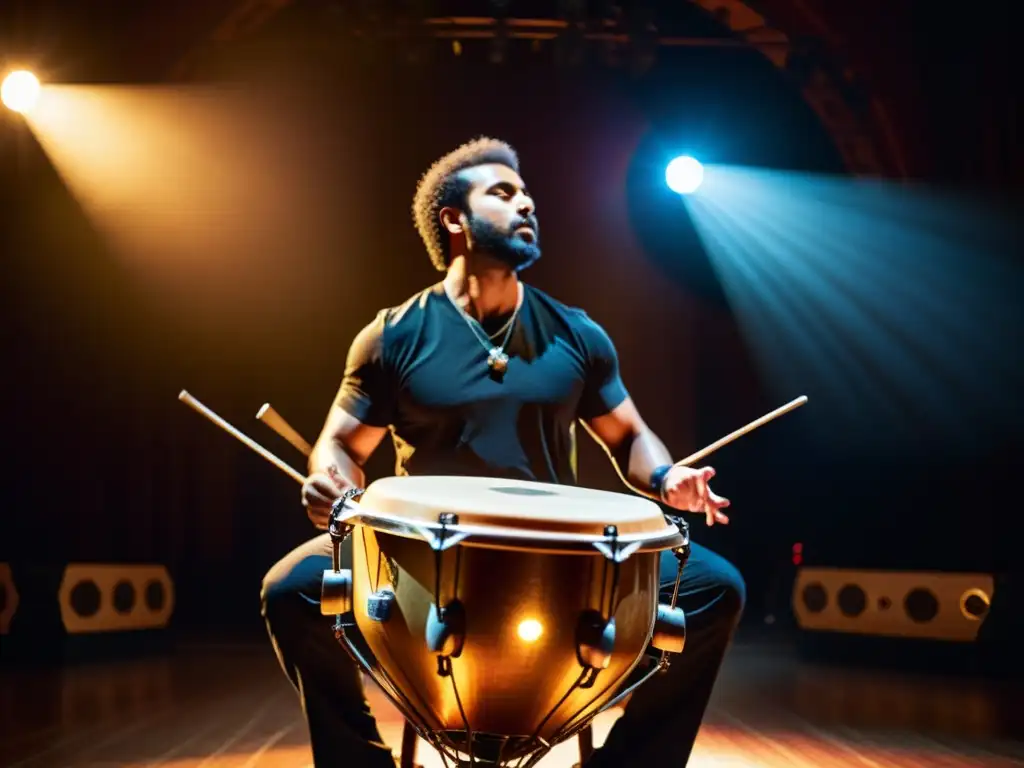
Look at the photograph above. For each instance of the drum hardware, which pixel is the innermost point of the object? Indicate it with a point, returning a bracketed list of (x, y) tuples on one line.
[(614, 549), (669, 634), (595, 630), (394, 524), (379, 604), (446, 633), (578, 724), (446, 625), (337, 593), (446, 638), (595, 641), (336, 589), (338, 526)]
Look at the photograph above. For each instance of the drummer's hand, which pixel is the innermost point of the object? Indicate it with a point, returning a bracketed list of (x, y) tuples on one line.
[(319, 492), (687, 489)]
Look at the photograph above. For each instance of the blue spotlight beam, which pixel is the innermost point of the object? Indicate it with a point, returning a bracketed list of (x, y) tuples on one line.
[(896, 308)]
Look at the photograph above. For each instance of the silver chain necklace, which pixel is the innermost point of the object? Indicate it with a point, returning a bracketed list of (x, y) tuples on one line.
[(497, 358)]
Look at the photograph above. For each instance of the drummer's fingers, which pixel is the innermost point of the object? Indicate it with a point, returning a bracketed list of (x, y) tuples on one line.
[(712, 515), (716, 501), (340, 482), (702, 493), (316, 495), (319, 513)]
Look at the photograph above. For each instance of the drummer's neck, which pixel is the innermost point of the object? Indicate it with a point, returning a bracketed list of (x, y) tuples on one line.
[(482, 286)]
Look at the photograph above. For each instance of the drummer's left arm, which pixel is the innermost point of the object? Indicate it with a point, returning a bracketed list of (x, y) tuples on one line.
[(638, 454), (642, 461)]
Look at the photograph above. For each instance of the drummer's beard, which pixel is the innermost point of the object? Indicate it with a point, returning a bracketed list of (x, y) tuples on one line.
[(509, 247)]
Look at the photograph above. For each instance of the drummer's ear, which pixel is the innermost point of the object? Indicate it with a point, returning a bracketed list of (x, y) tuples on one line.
[(451, 219)]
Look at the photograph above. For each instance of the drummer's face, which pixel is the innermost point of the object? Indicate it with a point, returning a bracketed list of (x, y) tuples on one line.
[(502, 216)]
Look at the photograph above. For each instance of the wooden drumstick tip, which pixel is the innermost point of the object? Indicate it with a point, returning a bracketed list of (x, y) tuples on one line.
[(269, 416), (186, 398)]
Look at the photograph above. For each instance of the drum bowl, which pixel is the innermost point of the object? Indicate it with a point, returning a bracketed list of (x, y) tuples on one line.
[(517, 676)]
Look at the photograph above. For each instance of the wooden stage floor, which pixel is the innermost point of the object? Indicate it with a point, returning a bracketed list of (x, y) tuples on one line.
[(221, 706)]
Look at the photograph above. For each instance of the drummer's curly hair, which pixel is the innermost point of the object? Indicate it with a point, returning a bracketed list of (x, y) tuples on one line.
[(444, 185)]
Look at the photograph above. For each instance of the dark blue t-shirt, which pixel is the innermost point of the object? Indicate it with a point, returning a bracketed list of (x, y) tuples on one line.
[(419, 369)]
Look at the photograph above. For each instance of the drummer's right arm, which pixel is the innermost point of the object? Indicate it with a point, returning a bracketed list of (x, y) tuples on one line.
[(336, 462), (344, 446), (361, 412)]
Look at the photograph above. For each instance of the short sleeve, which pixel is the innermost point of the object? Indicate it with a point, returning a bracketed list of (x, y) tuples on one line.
[(366, 390), (603, 390)]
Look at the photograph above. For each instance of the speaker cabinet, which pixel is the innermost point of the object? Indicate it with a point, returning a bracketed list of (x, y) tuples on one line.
[(99, 597), (925, 605)]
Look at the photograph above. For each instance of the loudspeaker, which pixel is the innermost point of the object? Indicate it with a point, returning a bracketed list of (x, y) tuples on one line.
[(924, 605), (97, 597)]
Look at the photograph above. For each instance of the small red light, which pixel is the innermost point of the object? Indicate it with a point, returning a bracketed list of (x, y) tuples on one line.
[(797, 559), (798, 548)]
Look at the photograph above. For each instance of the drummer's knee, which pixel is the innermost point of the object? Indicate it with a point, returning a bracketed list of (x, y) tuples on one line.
[(279, 595), (292, 586), (273, 591), (733, 596)]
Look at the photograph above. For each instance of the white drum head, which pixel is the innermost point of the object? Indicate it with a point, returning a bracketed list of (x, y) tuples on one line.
[(515, 505)]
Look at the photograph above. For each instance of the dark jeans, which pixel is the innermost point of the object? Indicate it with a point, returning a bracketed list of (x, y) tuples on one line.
[(658, 727)]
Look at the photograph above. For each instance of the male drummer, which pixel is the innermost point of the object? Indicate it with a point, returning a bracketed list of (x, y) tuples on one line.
[(481, 374)]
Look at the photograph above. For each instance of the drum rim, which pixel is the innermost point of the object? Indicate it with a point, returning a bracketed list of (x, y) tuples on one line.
[(422, 499), (442, 536)]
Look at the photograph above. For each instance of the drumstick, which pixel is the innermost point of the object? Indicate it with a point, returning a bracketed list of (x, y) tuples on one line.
[(276, 422), (742, 431), (186, 398)]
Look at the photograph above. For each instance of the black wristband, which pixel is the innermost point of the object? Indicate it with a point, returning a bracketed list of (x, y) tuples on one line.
[(657, 480)]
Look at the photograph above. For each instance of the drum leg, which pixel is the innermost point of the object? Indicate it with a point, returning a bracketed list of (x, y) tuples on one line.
[(409, 741), (586, 737)]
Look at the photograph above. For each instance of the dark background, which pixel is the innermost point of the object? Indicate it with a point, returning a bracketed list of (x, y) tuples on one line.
[(104, 464)]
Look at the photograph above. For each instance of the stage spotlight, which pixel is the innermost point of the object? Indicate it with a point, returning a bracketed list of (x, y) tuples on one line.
[(20, 91), (530, 630), (684, 175)]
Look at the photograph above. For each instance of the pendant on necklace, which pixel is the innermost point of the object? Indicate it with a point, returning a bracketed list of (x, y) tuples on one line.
[(497, 361)]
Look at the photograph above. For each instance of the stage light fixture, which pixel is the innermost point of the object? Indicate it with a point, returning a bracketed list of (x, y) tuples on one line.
[(684, 175), (20, 91), (530, 630)]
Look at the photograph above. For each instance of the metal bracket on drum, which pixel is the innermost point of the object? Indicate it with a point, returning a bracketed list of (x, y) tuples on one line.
[(612, 548), (337, 597), (595, 629), (681, 552), (336, 587), (338, 525), (595, 642), (596, 635), (446, 624), (443, 539), (669, 634)]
